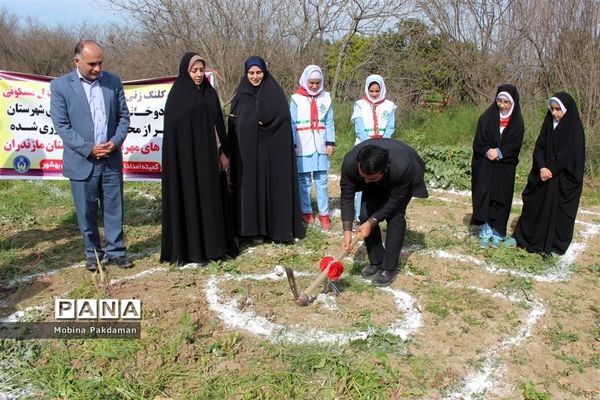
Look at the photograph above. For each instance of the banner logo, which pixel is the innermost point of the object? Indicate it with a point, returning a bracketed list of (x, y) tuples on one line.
[(21, 164)]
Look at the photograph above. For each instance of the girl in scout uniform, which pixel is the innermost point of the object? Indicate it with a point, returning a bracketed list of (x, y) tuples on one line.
[(314, 138), (373, 118)]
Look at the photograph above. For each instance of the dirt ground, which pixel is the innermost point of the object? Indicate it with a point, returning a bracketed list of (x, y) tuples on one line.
[(485, 342)]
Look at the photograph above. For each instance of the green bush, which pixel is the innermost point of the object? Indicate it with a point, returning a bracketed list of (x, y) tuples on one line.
[(447, 166), (423, 127)]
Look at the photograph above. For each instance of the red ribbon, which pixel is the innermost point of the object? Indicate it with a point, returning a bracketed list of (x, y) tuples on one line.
[(336, 268), (314, 112)]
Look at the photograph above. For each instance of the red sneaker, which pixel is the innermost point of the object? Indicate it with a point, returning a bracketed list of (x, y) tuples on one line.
[(325, 222), (308, 218)]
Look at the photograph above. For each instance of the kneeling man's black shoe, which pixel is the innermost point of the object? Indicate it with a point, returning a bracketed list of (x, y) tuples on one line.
[(384, 278), (121, 262), (370, 271), (92, 265)]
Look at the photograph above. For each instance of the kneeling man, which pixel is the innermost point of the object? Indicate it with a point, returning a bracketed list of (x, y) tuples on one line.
[(389, 173)]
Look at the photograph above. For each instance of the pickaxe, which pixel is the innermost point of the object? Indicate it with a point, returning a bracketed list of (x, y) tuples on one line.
[(329, 265)]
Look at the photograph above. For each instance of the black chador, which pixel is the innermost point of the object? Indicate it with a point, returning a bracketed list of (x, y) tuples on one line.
[(550, 206), (196, 219), (263, 162), (493, 181)]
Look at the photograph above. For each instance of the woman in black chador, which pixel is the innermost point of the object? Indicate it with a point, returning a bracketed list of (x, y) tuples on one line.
[(551, 197), (496, 148), (196, 223), (263, 162)]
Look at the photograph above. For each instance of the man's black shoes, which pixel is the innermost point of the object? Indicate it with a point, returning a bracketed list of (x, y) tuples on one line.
[(121, 262), (383, 278), (92, 265), (370, 270)]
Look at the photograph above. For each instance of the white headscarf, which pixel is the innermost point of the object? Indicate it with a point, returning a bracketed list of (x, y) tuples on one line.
[(379, 80), (508, 97), (557, 101), (310, 72)]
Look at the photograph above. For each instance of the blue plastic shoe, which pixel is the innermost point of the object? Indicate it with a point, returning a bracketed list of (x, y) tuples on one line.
[(484, 242), (510, 242), (495, 242)]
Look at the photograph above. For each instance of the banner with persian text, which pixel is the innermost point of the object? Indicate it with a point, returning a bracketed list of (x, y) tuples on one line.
[(30, 147)]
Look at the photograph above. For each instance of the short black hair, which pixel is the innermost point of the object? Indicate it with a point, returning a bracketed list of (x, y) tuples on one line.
[(81, 44), (373, 159)]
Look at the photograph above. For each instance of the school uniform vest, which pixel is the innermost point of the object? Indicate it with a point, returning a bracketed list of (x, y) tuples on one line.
[(309, 141), (384, 111)]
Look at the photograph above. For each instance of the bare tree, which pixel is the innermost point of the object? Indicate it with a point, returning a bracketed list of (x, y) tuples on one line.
[(562, 52), (482, 39), (29, 46), (575, 62), (224, 31), (286, 33), (364, 17)]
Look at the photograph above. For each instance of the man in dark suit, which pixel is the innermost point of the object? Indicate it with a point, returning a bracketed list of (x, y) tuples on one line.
[(389, 173), (89, 113)]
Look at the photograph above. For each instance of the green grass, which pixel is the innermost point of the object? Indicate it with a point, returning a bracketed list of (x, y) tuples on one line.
[(39, 231), (442, 301), (442, 237), (573, 363), (514, 284), (559, 336), (518, 259), (202, 359), (423, 127), (472, 320), (591, 194), (567, 302), (438, 310), (594, 269), (530, 392), (353, 283), (20, 200), (85, 290), (344, 133), (96, 370)]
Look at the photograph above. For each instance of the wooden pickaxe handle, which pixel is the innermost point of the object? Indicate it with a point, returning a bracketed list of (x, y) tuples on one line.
[(292, 281), (304, 297)]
